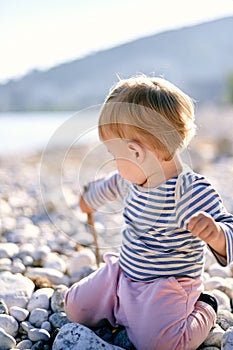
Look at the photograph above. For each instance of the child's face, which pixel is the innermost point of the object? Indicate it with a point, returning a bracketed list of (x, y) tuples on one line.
[(126, 158)]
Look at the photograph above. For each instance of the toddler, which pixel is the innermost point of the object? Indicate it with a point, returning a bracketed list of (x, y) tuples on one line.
[(153, 287)]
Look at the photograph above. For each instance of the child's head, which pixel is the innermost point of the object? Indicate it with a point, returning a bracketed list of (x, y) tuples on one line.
[(150, 111)]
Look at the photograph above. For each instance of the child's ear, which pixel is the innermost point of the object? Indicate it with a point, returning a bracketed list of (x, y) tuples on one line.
[(137, 151)]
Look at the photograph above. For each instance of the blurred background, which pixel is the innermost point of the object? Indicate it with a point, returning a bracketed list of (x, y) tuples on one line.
[(61, 57)]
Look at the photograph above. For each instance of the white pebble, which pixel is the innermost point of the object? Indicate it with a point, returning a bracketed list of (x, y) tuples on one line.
[(5, 264), (84, 257), (24, 344), (36, 334), (41, 252), (222, 298), (38, 316), (53, 261), (27, 260), (17, 266), (54, 276), (9, 324), (26, 326), (8, 250), (19, 313), (40, 299)]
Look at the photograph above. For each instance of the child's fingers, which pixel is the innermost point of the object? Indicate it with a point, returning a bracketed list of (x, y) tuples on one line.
[(198, 221), (84, 207)]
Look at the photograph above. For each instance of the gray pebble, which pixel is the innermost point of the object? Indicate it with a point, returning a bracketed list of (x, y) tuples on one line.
[(58, 319), (40, 298), (39, 345), (58, 297), (26, 326), (24, 344), (9, 324), (38, 316), (225, 319), (46, 325), (78, 337), (19, 313), (7, 341), (214, 337), (227, 340), (36, 334), (15, 289)]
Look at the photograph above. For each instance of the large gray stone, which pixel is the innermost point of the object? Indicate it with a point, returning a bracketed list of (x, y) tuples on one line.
[(74, 336), (15, 289)]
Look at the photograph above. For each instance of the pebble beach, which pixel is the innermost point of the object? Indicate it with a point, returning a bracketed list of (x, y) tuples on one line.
[(43, 252)]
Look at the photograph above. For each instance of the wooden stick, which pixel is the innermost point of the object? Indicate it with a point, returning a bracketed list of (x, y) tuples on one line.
[(90, 221)]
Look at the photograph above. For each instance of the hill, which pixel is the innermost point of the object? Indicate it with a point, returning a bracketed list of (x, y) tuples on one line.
[(198, 59)]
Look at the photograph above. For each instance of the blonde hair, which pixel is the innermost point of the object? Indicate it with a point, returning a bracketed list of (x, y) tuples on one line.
[(148, 110)]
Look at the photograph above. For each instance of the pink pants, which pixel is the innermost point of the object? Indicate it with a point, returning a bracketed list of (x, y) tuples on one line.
[(161, 315)]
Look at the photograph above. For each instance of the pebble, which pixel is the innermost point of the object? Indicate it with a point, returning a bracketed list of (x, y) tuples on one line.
[(58, 297), (53, 275), (81, 259), (8, 250), (215, 337), (225, 319), (38, 316), (53, 261), (16, 289), (9, 324), (36, 334), (40, 299), (227, 339), (46, 325), (24, 344), (78, 337), (6, 340), (58, 319), (19, 313), (223, 300), (26, 326)]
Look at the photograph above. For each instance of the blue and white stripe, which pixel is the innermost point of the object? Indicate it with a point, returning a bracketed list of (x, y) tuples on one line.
[(156, 241)]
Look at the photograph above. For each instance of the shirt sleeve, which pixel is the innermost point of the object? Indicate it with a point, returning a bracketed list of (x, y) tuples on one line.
[(103, 191), (197, 194)]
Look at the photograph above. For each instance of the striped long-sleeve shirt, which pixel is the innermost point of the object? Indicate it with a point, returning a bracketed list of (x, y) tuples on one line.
[(156, 241)]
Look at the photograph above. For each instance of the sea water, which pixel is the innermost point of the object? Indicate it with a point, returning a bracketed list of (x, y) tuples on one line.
[(25, 133)]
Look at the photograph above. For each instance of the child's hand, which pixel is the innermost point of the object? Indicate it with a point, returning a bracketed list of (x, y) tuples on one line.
[(84, 207), (202, 225)]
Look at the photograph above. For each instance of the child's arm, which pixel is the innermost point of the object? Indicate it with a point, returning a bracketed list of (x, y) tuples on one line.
[(202, 225), (103, 191)]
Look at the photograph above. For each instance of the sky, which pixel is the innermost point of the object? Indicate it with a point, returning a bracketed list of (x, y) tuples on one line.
[(39, 34)]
